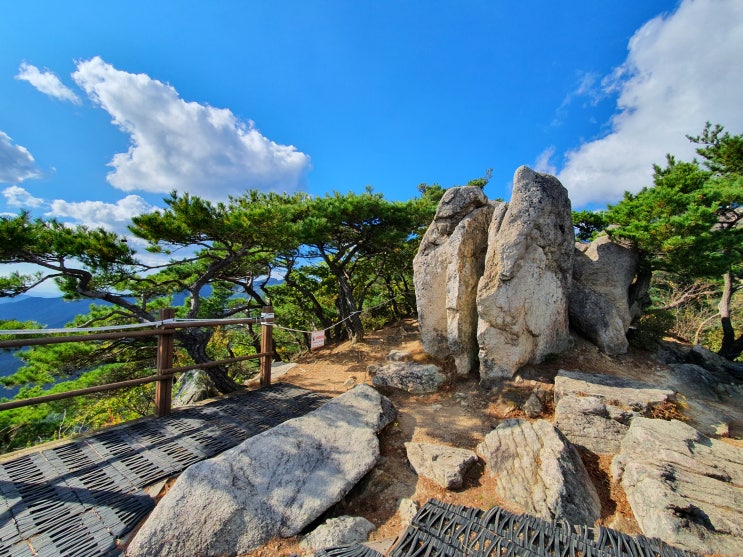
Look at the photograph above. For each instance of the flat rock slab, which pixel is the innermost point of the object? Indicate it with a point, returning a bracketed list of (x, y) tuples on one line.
[(412, 377), (444, 465), (683, 487), (615, 390), (586, 421), (539, 470), (273, 484)]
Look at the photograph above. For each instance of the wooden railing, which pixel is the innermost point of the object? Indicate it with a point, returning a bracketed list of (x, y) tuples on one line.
[(165, 350)]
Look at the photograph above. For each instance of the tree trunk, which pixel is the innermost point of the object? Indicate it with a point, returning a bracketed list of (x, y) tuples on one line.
[(195, 341), (638, 297), (731, 348), (346, 305)]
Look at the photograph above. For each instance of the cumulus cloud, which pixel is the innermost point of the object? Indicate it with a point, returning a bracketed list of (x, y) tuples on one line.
[(682, 70), (16, 163), (185, 146), (46, 82), (114, 217), (16, 196), (544, 161)]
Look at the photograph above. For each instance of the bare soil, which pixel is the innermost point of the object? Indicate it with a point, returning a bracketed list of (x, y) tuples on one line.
[(460, 414)]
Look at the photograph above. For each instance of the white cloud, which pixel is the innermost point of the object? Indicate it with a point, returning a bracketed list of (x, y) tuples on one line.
[(544, 163), (114, 217), (47, 83), (682, 70), (18, 197), (185, 146), (16, 163)]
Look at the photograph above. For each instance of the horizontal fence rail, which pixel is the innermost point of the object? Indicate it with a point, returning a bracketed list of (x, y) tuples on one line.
[(164, 331)]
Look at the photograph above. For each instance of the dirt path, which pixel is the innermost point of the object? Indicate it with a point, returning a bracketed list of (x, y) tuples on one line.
[(460, 414)]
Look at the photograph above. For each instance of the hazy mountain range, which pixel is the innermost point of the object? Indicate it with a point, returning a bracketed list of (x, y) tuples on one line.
[(50, 313)]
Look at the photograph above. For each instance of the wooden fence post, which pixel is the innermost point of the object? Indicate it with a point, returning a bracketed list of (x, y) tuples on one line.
[(164, 386), (266, 345)]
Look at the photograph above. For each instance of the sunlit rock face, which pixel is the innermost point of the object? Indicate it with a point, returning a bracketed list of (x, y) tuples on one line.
[(522, 298), (447, 269)]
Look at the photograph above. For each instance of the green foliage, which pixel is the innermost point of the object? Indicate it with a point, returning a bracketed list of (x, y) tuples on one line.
[(588, 224), (340, 254), (483, 181), (651, 328), (690, 223), (687, 222)]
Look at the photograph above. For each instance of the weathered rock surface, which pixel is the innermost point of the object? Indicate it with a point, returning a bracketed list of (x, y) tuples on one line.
[(337, 532), (407, 511), (522, 298), (446, 270), (704, 393), (683, 487), (275, 483), (192, 387), (409, 376), (539, 470), (398, 355), (630, 394), (533, 406), (694, 381), (670, 352), (444, 465), (598, 304), (586, 421)]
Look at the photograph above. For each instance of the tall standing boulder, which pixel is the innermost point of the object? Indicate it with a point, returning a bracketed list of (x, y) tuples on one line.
[(599, 304), (447, 269), (522, 297)]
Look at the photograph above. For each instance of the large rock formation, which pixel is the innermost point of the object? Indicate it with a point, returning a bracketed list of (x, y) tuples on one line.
[(273, 484), (539, 470), (522, 298), (447, 268), (683, 487), (598, 304)]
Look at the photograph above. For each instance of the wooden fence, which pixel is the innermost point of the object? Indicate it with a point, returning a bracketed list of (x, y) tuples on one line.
[(165, 350)]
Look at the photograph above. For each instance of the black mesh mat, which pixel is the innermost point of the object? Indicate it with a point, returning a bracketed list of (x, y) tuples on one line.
[(442, 529), (355, 550), (80, 498)]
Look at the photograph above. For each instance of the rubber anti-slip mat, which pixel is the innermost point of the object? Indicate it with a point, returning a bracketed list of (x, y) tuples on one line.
[(78, 499)]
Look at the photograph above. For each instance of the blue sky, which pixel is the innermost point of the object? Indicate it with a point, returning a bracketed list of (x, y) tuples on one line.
[(105, 107)]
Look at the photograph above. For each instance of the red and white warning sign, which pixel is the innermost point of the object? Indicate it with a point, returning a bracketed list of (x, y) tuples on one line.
[(317, 340)]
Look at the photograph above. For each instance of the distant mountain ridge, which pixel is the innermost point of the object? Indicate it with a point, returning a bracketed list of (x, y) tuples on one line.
[(52, 312)]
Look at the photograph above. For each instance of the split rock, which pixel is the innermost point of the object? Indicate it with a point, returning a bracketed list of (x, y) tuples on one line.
[(539, 470)]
